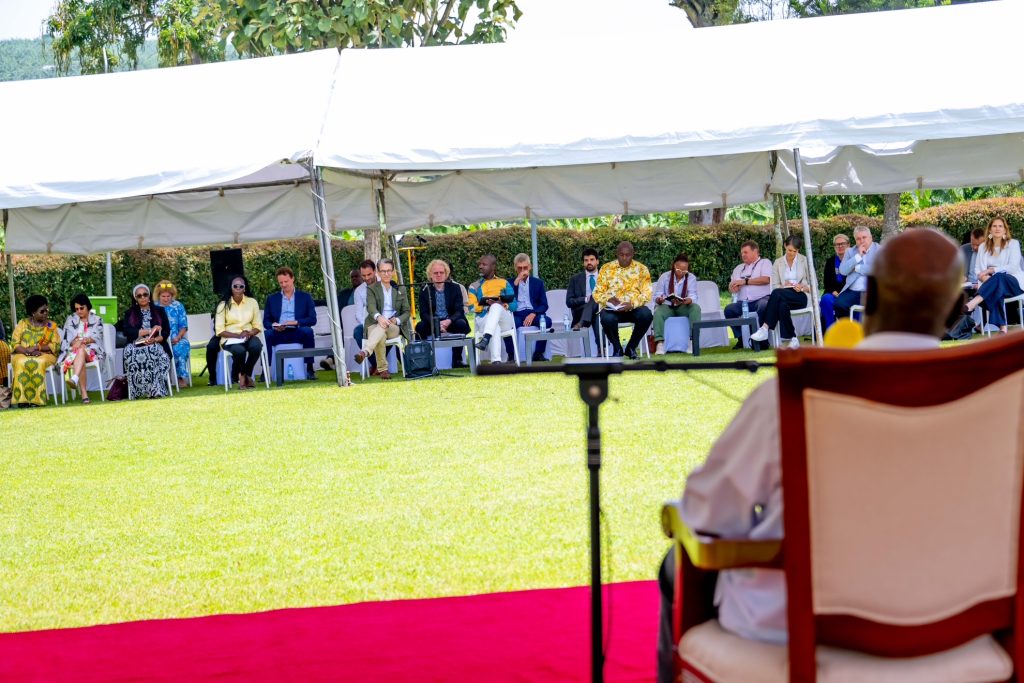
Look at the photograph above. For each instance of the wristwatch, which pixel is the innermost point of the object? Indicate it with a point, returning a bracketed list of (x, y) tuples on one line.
[(746, 279)]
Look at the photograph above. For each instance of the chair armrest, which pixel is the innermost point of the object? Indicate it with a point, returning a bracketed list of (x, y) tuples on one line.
[(719, 553)]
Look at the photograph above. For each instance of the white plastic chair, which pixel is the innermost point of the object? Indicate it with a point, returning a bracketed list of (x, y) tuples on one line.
[(263, 362), (806, 311), (711, 309), (399, 341), (349, 322), (856, 308), (1019, 300), (514, 334)]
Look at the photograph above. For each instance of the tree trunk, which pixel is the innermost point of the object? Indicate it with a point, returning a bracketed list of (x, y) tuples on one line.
[(700, 217), (371, 245), (781, 226), (892, 216), (717, 215)]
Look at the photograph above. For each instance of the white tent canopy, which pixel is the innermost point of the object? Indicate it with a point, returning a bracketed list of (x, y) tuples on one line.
[(594, 130)]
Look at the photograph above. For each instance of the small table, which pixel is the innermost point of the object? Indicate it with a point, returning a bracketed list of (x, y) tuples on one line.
[(750, 321), (464, 342), (530, 340), (280, 355)]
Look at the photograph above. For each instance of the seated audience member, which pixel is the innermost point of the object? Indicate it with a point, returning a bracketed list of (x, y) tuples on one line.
[(345, 295), (531, 301), (791, 281), (834, 281), (970, 251), (493, 301), (441, 308), (5, 354), (387, 317), (579, 295), (167, 297), (751, 281), (999, 273), (34, 346), (737, 493), (238, 324), (147, 356), (856, 267), (82, 342), (367, 276), (289, 316), (675, 293), (623, 291)]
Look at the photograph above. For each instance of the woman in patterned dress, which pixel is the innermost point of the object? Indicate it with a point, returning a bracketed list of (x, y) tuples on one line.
[(147, 357), (167, 296), (34, 343), (5, 354), (82, 343)]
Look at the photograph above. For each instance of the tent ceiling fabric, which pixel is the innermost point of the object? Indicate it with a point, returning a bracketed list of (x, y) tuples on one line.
[(162, 130), (548, 106)]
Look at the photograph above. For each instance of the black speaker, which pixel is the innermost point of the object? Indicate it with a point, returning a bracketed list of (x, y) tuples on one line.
[(225, 264), (419, 360)]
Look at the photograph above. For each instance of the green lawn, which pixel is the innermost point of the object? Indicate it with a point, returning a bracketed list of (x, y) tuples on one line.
[(315, 495)]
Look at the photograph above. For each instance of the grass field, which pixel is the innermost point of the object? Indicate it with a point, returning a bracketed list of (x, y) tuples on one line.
[(314, 495)]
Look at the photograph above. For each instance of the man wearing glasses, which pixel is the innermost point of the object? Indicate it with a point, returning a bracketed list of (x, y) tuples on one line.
[(834, 281), (531, 302)]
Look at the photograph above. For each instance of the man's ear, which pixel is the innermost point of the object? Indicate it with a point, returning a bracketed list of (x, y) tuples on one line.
[(871, 297)]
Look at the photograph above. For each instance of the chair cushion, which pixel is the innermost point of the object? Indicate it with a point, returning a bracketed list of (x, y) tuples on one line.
[(723, 656)]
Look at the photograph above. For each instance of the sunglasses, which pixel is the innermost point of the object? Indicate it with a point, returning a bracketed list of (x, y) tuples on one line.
[(142, 295), (79, 307), (237, 286), (165, 286)]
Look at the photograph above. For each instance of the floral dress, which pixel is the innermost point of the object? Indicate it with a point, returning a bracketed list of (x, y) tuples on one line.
[(29, 376), (74, 328), (146, 367), (179, 321)]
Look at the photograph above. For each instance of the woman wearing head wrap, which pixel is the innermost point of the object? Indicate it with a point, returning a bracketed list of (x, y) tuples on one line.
[(147, 357), (35, 343)]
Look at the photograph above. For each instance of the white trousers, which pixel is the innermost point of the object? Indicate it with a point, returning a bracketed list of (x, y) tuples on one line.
[(498, 319)]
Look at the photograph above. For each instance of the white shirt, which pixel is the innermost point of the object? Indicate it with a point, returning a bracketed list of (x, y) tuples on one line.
[(389, 308), (359, 301), (744, 471), (1007, 260)]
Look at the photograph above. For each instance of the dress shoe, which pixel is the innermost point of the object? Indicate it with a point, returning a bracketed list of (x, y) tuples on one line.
[(327, 363), (482, 342), (458, 364), (631, 353), (361, 356), (384, 374)]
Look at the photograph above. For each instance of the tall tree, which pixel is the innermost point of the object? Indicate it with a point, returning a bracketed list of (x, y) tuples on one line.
[(100, 33), (702, 13), (185, 36)]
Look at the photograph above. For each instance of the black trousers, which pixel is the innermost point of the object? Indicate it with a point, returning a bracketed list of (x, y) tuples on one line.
[(777, 312), (735, 310), (458, 326), (244, 356), (212, 351), (641, 319)]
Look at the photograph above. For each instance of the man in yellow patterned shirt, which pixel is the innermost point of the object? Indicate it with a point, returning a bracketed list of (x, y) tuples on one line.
[(623, 291)]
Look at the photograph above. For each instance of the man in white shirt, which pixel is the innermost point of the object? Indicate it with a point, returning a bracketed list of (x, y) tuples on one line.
[(912, 291), (368, 274), (856, 266)]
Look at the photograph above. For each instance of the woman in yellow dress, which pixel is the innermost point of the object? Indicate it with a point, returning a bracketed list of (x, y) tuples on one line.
[(35, 343)]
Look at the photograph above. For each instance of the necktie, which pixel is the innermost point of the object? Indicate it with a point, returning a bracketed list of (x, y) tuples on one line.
[(593, 283)]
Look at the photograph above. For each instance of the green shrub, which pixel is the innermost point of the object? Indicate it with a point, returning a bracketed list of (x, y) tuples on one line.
[(959, 219), (713, 250)]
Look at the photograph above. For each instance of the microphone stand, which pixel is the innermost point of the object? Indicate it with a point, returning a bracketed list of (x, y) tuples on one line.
[(435, 324), (593, 386)]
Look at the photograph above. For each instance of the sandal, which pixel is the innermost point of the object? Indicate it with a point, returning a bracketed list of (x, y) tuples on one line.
[(85, 401)]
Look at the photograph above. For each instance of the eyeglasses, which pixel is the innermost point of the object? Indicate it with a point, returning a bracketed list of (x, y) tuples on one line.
[(842, 244), (142, 295), (385, 271), (522, 269), (79, 307), (237, 286)]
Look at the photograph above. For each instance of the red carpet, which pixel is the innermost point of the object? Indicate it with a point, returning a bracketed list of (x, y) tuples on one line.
[(540, 635)]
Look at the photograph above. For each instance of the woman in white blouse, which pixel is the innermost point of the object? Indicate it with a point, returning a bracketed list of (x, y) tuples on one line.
[(999, 271), (790, 284)]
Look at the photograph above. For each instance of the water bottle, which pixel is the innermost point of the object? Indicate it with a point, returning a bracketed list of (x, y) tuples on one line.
[(746, 308), (735, 297), (567, 321), (744, 331), (290, 373), (543, 323)]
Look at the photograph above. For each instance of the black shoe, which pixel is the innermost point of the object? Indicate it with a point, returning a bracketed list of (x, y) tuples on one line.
[(482, 342), (458, 364), (327, 364), (631, 354), (538, 357), (738, 346), (617, 353)]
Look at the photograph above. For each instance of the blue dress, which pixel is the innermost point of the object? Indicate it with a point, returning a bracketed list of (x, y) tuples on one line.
[(179, 321)]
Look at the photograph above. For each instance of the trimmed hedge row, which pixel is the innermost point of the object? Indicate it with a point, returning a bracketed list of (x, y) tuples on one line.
[(959, 219)]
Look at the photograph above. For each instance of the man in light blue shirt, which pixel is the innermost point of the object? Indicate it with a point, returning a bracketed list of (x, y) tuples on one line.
[(856, 266)]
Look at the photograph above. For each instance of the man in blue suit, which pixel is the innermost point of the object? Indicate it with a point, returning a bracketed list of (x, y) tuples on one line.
[(289, 316), (856, 267), (532, 301)]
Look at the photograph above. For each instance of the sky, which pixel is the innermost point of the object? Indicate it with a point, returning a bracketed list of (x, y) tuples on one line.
[(542, 21)]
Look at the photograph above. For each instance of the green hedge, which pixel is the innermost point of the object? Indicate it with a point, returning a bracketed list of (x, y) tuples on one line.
[(713, 252), (959, 219)]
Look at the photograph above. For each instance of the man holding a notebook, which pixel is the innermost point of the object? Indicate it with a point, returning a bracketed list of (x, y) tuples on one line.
[(623, 291), (676, 295)]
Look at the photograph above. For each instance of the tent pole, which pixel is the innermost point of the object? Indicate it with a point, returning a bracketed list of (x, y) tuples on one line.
[(327, 267), (110, 276), (533, 247), (10, 273), (807, 244)]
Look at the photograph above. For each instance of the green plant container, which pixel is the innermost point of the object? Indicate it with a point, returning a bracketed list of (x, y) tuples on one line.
[(105, 307)]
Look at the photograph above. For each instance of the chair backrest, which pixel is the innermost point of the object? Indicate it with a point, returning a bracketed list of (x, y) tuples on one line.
[(348, 320), (707, 296), (109, 340), (556, 305), (323, 321), (903, 482), (200, 328)]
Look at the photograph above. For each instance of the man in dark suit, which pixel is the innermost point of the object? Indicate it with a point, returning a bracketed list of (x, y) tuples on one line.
[(442, 308), (970, 252), (532, 301), (289, 316), (581, 287)]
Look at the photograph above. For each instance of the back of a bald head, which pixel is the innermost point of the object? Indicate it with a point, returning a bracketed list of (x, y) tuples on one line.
[(915, 283)]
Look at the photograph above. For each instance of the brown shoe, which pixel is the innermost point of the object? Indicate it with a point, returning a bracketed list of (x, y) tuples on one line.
[(361, 356), (384, 374)]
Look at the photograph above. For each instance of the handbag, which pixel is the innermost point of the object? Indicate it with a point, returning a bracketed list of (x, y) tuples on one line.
[(5, 398), (118, 390)]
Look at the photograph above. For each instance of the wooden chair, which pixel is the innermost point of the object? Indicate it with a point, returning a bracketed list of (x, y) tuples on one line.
[(902, 486)]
